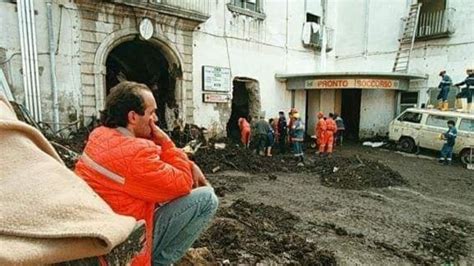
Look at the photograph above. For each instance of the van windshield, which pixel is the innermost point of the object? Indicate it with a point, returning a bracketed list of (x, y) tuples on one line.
[(411, 117)]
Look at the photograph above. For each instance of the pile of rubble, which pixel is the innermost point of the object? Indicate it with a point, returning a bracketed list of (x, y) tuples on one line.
[(337, 171), (246, 233)]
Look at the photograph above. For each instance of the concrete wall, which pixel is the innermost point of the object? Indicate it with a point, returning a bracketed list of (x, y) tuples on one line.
[(256, 49), (66, 37), (377, 109)]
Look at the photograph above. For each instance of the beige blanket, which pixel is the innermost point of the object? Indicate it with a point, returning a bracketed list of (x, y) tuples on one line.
[(47, 213)]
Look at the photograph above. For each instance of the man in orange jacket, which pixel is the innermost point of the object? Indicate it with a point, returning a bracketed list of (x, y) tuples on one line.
[(136, 168), (321, 129)]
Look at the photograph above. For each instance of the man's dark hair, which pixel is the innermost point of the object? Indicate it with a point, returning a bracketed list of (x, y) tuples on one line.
[(331, 115), (122, 99), (451, 122)]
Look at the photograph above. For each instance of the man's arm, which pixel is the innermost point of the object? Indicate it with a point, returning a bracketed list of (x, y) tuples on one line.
[(158, 178), (460, 83)]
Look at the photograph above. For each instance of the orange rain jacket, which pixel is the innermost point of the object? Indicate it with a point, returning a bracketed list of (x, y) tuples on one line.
[(151, 174), (330, 132)]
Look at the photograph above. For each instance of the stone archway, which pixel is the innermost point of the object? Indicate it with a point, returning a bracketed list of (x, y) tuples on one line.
[(113, 40)]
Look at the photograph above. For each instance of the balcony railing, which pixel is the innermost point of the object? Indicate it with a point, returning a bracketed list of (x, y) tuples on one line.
[(198, 10), (199, 6), (435, 24)]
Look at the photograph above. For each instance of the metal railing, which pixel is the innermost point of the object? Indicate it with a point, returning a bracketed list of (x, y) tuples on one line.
[(199, 6), (435, 23)]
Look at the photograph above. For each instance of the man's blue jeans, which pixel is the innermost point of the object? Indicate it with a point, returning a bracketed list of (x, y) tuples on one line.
[(446, 152), (180, 222)]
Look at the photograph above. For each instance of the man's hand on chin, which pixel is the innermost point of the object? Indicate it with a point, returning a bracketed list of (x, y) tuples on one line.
[(157, 134)]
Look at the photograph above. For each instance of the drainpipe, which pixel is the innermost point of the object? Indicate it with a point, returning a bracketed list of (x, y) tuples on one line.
[(29, 57), (52, 62), (35, 62), (24, 54), (324, 5), (366, 27), (30, 60)]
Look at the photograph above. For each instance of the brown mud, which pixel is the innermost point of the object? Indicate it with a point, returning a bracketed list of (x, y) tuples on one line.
[(362, 206)]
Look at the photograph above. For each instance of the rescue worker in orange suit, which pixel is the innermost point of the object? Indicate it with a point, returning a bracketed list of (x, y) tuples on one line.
[(331, 129), (321, 128), (136, 168), (244, 126), (320, 132)]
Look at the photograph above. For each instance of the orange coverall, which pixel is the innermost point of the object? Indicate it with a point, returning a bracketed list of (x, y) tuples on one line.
[(331, 129), (321, 128)]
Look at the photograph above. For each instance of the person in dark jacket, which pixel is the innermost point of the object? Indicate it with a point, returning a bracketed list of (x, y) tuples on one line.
[(466, 91), (450, 138), (282, 131), (259, 131), (444, 85), (297, 137)]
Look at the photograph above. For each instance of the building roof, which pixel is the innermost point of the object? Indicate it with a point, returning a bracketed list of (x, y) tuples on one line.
[(323, 75)]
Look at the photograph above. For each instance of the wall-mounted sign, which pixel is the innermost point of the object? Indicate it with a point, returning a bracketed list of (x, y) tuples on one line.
[(216, 79), (352, 84), (146, 29), (215, 98)]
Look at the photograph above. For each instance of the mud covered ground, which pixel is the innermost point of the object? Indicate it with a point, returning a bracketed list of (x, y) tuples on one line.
[(363, 206)]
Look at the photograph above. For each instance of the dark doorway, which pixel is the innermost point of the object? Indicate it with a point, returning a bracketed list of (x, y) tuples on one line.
[(142, 62), (350, 112), (240, 108)]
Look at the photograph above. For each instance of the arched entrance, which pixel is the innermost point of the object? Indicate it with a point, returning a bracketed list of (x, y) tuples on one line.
[(245, 103), (141, 61)]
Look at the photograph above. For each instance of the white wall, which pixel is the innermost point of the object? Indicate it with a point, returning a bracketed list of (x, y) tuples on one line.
[(375, 51), (255, 49), (377, 109), (65, 26)]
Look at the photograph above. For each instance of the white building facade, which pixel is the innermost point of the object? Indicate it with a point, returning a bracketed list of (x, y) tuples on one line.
[(210, 62)]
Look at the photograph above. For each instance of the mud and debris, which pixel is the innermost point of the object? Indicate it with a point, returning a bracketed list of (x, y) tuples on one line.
[(338, 171), (339, 210), (448, 241), (246, 233)]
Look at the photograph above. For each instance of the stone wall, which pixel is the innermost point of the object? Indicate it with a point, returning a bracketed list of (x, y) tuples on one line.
[(104, 26)]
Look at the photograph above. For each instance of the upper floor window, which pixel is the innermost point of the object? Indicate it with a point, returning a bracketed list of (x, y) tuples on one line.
[(435, 20), (252, 8), (253, 5)]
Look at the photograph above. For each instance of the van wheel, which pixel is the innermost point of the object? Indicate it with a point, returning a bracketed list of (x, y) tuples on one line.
[(465, 156), (406, 144)]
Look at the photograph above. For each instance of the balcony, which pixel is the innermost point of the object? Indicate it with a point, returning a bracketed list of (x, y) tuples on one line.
[(197, 10), (435, 24)]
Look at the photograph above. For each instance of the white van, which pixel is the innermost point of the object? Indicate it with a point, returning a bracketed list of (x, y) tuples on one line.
[(422, 127)]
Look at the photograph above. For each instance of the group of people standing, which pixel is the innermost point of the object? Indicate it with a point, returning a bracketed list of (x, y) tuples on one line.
[(465, 92), (278, 132)]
